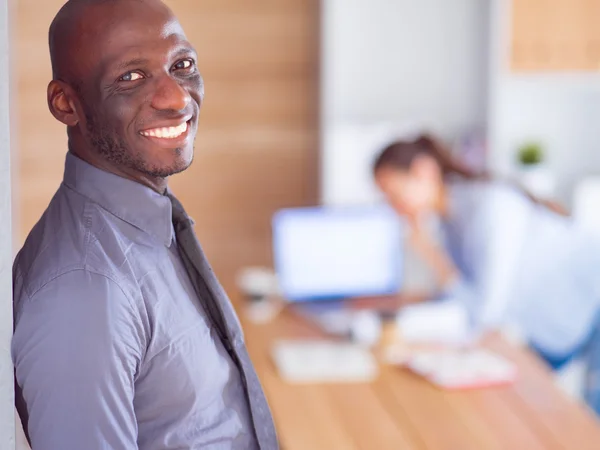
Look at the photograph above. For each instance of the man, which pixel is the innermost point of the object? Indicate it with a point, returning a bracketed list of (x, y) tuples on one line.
[(123, 337)]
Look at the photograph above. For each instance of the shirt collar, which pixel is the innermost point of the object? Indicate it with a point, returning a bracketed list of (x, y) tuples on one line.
[(132, 202)]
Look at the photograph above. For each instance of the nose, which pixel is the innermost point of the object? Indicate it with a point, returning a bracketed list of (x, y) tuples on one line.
[(170, 95)]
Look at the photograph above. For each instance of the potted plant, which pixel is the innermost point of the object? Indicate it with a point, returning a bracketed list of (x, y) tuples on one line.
[(531, 154), (533, 171)]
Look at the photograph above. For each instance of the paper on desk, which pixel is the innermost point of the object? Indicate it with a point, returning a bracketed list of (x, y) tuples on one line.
[(456, 369), (444, 322), (314, 361)]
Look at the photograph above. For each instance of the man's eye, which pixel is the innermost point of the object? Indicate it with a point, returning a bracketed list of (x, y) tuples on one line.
[(184, 64), (131, 76)]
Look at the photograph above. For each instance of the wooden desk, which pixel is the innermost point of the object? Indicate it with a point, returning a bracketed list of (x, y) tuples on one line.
[(400, 411)]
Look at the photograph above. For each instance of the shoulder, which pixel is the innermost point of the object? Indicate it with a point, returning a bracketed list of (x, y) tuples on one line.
[(74, 234), (479, 200), (78, 309), (75, 293), (488, 214), (499, 193)]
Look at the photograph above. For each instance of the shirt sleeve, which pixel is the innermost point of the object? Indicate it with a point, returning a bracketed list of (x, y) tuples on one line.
[(493, 248), (77, 347)]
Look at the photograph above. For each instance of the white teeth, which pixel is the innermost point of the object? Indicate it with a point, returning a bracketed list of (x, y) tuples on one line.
[(166, 132)]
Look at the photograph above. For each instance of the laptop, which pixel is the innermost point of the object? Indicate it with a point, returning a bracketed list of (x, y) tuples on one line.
[(326, 253)]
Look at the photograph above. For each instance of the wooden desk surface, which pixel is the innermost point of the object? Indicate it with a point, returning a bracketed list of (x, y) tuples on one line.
[(401, 411)]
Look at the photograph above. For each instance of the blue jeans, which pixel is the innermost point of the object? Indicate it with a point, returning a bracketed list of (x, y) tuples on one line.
[(589, 350), (557, 362), (592, 375)]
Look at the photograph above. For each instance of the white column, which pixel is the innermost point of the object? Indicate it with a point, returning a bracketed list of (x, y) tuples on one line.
[(7, 416)]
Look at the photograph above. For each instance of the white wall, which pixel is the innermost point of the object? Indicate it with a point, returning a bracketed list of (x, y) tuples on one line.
[(7, 418), (560, 110), (401, 62)]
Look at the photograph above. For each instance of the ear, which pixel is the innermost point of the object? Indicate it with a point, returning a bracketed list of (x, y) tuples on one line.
[(425, 168), (61, 101)]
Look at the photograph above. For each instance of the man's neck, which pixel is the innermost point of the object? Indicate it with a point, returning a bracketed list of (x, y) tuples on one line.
[(155, 183)]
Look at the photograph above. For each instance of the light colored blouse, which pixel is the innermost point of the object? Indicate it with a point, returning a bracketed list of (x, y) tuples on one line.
[(522, 266)]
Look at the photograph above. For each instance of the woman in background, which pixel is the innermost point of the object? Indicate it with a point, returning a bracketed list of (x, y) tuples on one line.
[(509, 259)]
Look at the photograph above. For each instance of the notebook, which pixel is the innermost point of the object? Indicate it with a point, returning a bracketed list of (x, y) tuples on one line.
[(332, 253)]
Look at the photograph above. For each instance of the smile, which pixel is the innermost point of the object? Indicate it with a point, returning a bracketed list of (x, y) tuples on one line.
[(166, 132)]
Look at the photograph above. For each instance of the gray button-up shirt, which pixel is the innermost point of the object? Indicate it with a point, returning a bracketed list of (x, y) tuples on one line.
[(113, 349)]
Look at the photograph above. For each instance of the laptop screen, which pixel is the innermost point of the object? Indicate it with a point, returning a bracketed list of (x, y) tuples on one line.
[(332, 253)]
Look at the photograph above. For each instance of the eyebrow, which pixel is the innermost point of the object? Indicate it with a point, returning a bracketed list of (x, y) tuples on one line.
[(130, 63), (184, 49)]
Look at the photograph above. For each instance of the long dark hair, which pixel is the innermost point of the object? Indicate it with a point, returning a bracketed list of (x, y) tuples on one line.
[(400, 155)]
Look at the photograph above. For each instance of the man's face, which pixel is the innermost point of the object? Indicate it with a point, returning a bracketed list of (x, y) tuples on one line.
[(142, 96)]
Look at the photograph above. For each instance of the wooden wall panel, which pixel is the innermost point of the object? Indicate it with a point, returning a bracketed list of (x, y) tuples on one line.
[(555, 35), (256, 149)]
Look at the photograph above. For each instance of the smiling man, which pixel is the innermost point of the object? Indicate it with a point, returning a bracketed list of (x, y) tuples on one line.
[(124, 338)]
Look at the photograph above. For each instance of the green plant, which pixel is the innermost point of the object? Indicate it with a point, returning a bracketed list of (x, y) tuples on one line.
[(530, 154)]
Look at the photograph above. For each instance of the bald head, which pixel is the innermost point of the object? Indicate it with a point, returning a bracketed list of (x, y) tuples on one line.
[(63, 32), (126, 84), (80, 23)]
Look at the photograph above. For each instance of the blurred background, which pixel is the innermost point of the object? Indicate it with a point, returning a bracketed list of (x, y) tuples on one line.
[(301, 95)]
